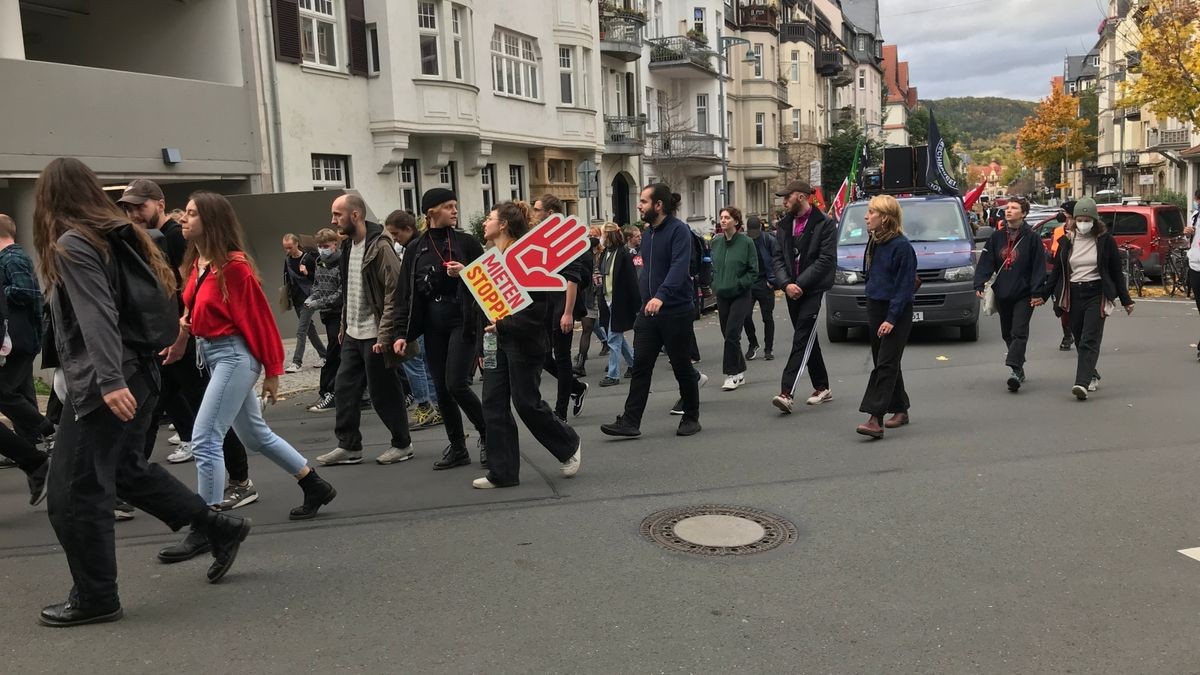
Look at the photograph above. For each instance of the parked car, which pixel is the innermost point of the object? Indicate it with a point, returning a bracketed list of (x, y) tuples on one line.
[(1154, 228), (939, 232)]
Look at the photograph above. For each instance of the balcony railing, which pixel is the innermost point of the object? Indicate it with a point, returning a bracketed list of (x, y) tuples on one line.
[(798, 32), (635, 12), (844, 76), (621, 36), (683, 146), (624, 135), (1174, 139), (829, 62), (759, 16), (681, 51)]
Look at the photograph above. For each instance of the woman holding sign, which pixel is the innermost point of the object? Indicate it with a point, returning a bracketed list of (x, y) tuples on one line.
[(430, 302), (514, 349)]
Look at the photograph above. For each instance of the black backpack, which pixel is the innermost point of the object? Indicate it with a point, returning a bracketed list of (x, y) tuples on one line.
[(701, 268), (148, 315)]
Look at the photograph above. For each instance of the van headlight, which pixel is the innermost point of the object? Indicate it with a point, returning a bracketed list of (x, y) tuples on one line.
[(847, 278), (965, 273)]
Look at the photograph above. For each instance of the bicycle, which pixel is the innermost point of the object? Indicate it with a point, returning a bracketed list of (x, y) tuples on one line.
[(1175, 268), (1131, 263)]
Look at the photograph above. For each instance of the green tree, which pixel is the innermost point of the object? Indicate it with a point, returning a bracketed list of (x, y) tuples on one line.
[(1168, 61), (839, 156)]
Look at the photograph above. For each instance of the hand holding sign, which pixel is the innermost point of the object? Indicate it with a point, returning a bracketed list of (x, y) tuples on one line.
[(547, 248)]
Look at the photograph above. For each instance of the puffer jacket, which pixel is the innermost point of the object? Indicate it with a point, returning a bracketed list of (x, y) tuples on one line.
[(326, 296)]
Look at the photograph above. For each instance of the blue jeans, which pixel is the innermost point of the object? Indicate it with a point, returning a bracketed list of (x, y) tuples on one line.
[(306, 329), (618, 346), (231, 401), (418, 377)]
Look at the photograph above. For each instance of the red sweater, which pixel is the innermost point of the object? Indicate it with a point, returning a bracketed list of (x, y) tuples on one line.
[(247, 312)]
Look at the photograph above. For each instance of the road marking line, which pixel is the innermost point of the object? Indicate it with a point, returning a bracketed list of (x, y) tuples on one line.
[(1193, 553)]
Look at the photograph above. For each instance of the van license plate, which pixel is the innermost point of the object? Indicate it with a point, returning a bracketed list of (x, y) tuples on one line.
[(918, 316)]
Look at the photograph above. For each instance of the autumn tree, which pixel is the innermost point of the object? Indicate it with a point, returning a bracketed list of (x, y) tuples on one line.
[(1055, 132), (1168, 65)]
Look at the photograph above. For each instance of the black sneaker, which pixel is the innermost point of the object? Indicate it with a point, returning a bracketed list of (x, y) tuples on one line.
[(688, 427), (452, 457), (620, 428), (752, 353), (677, 409), (326, 404), (37, 484), (609, 382), (629, 373), (1014, 380), (768, 356), (1065, 345), (577, 401), (123, 510)]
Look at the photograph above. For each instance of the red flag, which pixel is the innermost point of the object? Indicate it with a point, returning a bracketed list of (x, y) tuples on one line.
[(973, 195), (818, 198), (842, 198)]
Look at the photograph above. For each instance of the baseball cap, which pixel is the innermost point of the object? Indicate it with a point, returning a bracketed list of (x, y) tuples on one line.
[(141, 191), (795, 186)]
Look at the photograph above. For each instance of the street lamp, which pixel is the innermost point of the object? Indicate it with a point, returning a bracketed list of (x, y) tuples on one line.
[(723, 45)]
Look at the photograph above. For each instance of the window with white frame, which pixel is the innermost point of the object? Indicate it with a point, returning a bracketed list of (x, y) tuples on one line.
[(516, 181), (695, 197), (584, 76), (330, 172), (428, 38), (487, 179), (566, 74), (514, 65), (862, 78), (758, 59), (373, 66), (795, 74), (459, 49), (795, 124), (410, 189), (448, 176), (760, 129), (729, 126), (698, 20), (1096, 61), (318, 33), (658, 19), (702, 113), (862, 43)]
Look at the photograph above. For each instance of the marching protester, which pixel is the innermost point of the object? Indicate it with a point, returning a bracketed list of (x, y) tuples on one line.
[(514, 349), (762, 293), (432, 304), (566, 307), (1013, 263), (18, 400), (103, 339), (619, 301), (1067, 224), (735, 269), (237, 340), (371, 269), (18, 451), (402, 227), (299, 268), (1194, 255), (665, 316), (805, 262), (326, 300), (891, 269), (1087, 281), (590, 324)]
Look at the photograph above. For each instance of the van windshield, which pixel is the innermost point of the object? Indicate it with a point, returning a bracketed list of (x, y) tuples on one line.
[(933, 220)]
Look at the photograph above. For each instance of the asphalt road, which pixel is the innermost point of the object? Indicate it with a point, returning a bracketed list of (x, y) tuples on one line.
[(996, 533)]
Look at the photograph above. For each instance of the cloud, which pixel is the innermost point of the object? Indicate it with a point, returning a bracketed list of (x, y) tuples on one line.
[(1007, 48)]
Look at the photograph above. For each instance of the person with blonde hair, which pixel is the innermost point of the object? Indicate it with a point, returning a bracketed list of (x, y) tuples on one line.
[(891, 270)]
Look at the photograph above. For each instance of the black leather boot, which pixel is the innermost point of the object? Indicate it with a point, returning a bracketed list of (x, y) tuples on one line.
[(67, 614), (317, 493), (483, 455), (452, 457), (225, 534), (192, 545)]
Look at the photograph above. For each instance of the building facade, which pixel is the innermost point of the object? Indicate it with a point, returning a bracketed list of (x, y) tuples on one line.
[(901, 97)]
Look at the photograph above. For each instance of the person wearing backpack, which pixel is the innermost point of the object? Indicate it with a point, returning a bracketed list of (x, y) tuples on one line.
[(103, 315), (23, 454)]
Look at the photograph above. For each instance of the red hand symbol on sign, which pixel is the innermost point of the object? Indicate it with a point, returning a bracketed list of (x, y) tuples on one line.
[(536, 257)]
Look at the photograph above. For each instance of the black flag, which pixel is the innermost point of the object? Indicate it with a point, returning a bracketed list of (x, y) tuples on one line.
[(937, 176)]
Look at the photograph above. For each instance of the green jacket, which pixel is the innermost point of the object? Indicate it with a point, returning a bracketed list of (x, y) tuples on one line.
[(735, 265)]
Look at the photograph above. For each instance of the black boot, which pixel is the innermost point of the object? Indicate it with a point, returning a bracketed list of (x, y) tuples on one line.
[(1065, 345), (452, 457), (225, 534), (578, 370), (192, 545), (482, 454), (37, 483), (317, 493)]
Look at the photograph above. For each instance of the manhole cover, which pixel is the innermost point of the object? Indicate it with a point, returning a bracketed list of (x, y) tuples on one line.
[(717, 530)]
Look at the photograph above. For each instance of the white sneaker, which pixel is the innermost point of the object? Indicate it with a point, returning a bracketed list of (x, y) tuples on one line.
[(395, 455), (292, 368), (319, 364), (340, 456), (171, 427), (1094, 384), (1080, 392), (571, 466), (182, 454), (482, 484), (820, 396), (734, 381), (702, 381), (174, 440)]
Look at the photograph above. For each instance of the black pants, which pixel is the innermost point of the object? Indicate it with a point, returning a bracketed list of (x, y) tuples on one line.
[(362, 369), (650, 335), (450, 360), (517, 378), (1194, 284), (182, 389), (804, 324), (18, 400), (96, 457), (27, 457), (765, 299), (1087, 326), (885, 390), (1014, 328), (333, 352), (558, 363), (732, 314)]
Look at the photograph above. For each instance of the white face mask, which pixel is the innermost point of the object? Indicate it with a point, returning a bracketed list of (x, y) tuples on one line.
[(397, 248), (1084, 228)]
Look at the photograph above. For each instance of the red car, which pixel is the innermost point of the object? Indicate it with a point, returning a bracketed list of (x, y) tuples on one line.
[(1154, 228)]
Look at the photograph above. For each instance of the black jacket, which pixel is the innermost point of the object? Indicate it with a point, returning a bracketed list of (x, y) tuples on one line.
[(410, 314), (622, 308), (816, 250), (1028, 270), (1112, 277), (767, 248)]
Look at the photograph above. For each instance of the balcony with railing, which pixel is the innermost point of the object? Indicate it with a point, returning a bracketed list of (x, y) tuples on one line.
[(1130, 113), (683, 147), (763, 17), (621, 36), (1169, 139), (844, 76), (829, 62), (624, 135), (683, 57), (798, 32)]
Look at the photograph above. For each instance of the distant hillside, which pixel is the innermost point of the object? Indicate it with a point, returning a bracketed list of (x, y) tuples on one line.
[(980, 119)]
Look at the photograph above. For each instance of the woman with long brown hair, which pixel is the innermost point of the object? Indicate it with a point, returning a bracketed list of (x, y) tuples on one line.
[(619, 301), (236, 338), (111, 385)]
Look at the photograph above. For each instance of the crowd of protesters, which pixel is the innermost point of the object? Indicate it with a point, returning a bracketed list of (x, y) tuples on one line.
[(144, 313)]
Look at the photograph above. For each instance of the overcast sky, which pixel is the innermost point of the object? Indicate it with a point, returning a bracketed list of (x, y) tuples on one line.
[(1007, 48)]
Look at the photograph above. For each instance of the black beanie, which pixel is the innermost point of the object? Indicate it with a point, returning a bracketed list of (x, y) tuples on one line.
[(436, 197)]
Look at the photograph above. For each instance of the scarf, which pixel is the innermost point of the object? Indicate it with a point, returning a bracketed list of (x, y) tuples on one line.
[(877, 239)]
